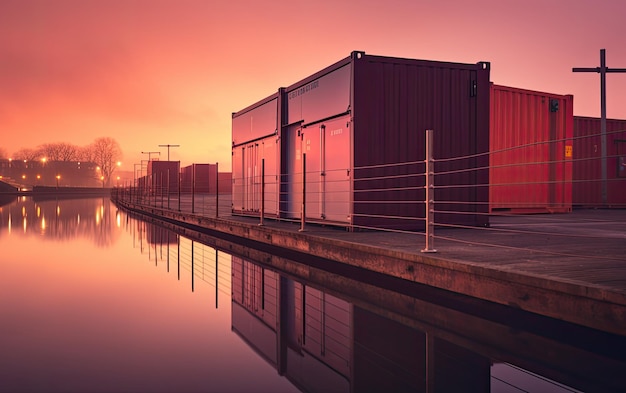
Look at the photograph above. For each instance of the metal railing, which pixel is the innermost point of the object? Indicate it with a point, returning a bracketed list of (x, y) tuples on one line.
[(416, 197)]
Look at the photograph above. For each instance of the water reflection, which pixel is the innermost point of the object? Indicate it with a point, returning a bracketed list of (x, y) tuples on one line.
[(325, 331), (60, 219), (166, 308)]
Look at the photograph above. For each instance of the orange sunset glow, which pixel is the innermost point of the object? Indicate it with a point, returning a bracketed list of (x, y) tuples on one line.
[(155, 72)]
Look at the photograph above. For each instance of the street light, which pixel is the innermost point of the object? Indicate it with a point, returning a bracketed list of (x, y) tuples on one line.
[(58, 177), (149, 153), (168, 149)]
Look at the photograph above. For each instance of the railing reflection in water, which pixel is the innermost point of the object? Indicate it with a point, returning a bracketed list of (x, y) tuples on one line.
[(327, 331)]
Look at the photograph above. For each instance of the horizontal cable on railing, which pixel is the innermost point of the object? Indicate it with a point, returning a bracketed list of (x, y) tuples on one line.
[(391, 230), (390, 189), (356, 168), (404, 176), (519, 147), (404, 218), (392, 202)]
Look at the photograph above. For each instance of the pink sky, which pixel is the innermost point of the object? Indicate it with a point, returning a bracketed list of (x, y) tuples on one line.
[(157, 72)]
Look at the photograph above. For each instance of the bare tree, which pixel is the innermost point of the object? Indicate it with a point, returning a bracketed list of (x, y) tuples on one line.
[(3, 153), (59, 151), (85, 154), (27, 154), (106, 152)]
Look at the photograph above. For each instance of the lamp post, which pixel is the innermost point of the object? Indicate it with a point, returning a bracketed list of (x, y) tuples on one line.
[(58, 177), (150, 153), (168, 149), (135, 178)]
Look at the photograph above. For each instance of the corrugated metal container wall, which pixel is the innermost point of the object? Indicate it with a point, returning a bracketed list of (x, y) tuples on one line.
[(255, 141), (160, 171), (395, 101), (588, 184), (224, 182), (365, 117), (186, 176), (530, 151), (316, 123), (205, 179)]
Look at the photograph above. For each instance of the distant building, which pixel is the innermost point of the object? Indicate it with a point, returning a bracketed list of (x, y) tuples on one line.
[(51, 173)]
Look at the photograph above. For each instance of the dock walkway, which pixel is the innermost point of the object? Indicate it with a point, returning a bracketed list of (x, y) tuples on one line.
[(567, 266)]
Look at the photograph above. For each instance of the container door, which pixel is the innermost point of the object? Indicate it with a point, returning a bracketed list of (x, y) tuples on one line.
[(238, 178), (252, 186), (336, 173), (311, 146), (269, 153), (292, 181)]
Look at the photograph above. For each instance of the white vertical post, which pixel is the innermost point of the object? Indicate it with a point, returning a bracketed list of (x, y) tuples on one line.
[(217, 190), (193, 188), (430, 194), (303, 207), (262, 191)]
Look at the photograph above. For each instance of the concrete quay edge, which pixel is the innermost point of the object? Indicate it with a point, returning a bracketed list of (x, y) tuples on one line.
[(581, 303)]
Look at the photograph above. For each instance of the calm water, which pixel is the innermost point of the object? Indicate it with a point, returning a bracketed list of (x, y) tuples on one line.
[(93, 299)]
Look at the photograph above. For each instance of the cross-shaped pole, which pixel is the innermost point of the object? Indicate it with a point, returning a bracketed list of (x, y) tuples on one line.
[(168, 149), (602, 70)]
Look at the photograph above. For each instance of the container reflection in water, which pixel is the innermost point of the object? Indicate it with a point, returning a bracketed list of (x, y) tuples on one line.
[(387, 341), (172, 310)]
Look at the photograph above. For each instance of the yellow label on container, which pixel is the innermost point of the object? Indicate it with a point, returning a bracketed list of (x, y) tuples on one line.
[(568, 151)]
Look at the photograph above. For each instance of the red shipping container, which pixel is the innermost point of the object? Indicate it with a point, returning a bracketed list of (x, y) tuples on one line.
[(530, 151), (588, 183)]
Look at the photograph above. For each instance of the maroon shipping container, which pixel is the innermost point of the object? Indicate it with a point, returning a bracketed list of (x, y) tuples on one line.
[(588, 185), (207, 179), (163, 176), (224, 182), (255, 151), (361, 123), (530, 151)]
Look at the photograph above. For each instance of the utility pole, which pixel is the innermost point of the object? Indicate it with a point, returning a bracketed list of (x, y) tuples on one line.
[(168, 149), (602, 70)]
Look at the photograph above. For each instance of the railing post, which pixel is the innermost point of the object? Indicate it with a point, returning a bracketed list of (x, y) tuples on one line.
[(262, 191), (430, 191), (162, 188), (217, 190), (303, 208), (168, 190), (180, 184), (193, 188)]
